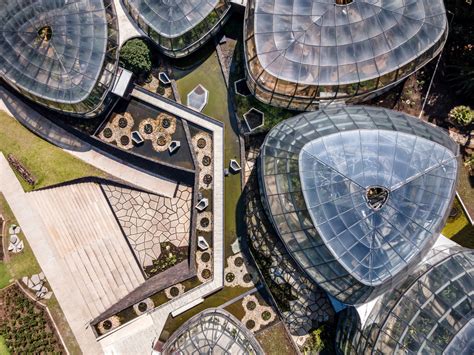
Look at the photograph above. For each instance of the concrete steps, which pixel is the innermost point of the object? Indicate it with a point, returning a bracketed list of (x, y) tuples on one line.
[(86, 235)]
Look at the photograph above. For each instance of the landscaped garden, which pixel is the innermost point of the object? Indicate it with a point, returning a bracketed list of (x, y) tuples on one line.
[(25, 327), (49, 164)]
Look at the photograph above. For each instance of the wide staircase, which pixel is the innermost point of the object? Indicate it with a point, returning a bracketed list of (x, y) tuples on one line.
[(85, 233)]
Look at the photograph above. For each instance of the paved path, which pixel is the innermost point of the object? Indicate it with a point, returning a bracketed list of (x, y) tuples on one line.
[(48, 257), (82, 150), (136, 337), (127, 29)]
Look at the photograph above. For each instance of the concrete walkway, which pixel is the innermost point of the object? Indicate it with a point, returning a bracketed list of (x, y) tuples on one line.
[(82, 150), (127, 28), (51, 262)]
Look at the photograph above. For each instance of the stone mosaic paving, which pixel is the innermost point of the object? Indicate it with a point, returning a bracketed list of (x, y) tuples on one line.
[(148, 220), (256, 314)]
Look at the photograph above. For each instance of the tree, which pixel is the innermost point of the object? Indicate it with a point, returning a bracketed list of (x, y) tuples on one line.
[(135, 56), (461, 115)]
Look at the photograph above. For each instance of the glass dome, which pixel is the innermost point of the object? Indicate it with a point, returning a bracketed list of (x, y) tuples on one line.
[(61, 54), (299, 52), (179, 27), (213, 331), (357, 194), (430, 313)]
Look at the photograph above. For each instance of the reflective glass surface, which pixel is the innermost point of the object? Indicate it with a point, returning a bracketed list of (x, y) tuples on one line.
[(320, 50), (316, 171), (213, 331), (179, 27), (338, 170), (59, 53), (430, 313)]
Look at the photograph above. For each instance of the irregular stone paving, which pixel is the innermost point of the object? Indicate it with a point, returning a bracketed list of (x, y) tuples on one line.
[(256, 314), (148, 220), (310, 305), (200, 154), (36, 283), (239, 272)]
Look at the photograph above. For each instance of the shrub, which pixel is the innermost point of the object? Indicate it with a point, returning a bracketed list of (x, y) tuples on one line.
[(135, 56), (461, 115)]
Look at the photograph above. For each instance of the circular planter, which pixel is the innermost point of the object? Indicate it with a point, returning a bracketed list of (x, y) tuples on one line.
[(247, 278), (229, 277), (239, 261), (251, 305), (165, 123), (124, 140), (207, 179), (107, 324), (107, 133), (454, 212), (266, 315), (142, 306), (161, 141), (201, 143), (250, 324), (206, 273), (206, 160), (148, 128), (205, 257), (122, 123), (204, 222), (174, 291)]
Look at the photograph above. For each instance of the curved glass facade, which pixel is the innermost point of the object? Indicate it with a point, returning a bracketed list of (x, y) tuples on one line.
[(430, 313), (213, 331), (300, 52), (61, 54), (179, 27), (358, 195)]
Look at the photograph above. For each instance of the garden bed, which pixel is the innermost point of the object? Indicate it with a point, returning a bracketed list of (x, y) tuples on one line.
[(24, 326), (170, 256)]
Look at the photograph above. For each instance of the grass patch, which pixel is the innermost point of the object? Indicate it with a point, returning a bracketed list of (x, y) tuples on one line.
[(210, 76), (24, 263), (458, 228), (466, 188), (455, 224), (275, 340), (3, 347), (215, 300), (5, 276), (48, 163)]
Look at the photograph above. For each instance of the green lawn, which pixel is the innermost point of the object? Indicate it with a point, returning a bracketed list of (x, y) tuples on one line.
[(5, 276), (210, 76), (49, 164), (3, 347), (459, 229)]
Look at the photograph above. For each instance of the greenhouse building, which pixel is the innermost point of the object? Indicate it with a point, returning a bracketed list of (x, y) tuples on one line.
[(213, 331), (60, 54), (430, 313), (358, 195), (300, 53), (179, 27)]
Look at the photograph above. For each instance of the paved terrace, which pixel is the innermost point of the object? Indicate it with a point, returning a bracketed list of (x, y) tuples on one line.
[(82, 150), (137, 336)]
